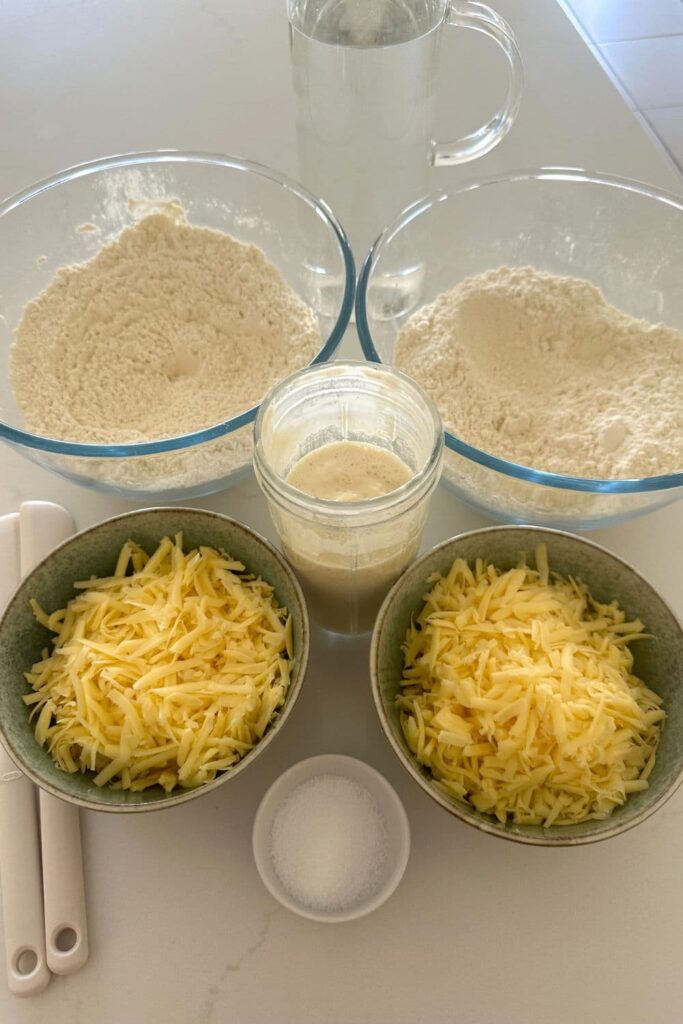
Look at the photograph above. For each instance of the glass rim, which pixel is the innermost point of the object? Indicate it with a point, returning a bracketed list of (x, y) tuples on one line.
[(39, 442), (434, 26), (454, 443), (282, 492)]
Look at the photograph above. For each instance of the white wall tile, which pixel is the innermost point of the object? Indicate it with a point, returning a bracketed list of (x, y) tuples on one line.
[(609, 20), (651, 70), (611, 74)]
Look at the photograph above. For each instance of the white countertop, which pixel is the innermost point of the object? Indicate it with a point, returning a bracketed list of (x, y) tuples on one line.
[(480, 931)]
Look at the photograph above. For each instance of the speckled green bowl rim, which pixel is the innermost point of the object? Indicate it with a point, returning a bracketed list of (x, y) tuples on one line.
[(178, 797), (460, 809)]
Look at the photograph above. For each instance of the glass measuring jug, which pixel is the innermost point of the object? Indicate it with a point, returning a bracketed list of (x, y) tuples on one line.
[(365, 79)]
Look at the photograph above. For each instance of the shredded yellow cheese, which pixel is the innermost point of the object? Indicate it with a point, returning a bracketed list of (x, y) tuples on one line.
[(165, 673), (518, 695)]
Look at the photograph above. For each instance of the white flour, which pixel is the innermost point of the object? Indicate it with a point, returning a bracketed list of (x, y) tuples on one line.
[(169, 329), (540, 370)]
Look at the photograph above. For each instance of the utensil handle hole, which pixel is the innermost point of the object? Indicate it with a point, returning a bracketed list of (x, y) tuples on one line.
[(65, 939), (26, 962)]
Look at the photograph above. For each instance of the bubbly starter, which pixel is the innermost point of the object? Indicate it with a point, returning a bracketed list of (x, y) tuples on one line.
[(347, 571), (348, 471)]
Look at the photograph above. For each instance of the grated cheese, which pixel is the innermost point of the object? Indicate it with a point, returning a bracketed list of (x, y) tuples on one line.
[(167, 672), (518, 695)]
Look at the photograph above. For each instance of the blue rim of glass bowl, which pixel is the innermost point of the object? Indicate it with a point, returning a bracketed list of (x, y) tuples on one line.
[(454, 443), (166, 444)]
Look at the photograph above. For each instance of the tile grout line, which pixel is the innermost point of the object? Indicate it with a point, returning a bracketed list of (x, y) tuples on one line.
[(616, 79), (607, 63), (602, 59), (632, 39), (663, 106), (649, 127)]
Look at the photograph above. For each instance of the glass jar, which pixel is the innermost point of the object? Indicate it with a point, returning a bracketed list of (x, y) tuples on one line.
[(347, 554)]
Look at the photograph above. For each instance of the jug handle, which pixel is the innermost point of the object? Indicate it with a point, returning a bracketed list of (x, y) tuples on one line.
[(468, 14)]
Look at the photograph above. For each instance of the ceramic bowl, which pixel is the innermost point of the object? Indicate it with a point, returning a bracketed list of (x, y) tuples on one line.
[(389, 806), (659, 662), (94, 552)]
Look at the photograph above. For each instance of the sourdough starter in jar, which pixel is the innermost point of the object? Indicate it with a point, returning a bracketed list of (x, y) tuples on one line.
[(345, 583), (348, 471), (348, 455)]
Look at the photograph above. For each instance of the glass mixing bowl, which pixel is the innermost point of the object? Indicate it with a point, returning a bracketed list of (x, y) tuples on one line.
[(67, 218), (623, 236)]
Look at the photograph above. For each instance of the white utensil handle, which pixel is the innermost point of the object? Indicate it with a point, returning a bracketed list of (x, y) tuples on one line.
[(66, 933), (44, 526), (22, 902), (20, 874)]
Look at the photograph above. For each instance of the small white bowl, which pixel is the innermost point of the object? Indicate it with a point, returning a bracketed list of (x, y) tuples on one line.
[(389, 806)]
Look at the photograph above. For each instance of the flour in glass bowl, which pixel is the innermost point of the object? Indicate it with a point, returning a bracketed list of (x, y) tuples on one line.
[(169, 329), (542, 371)]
